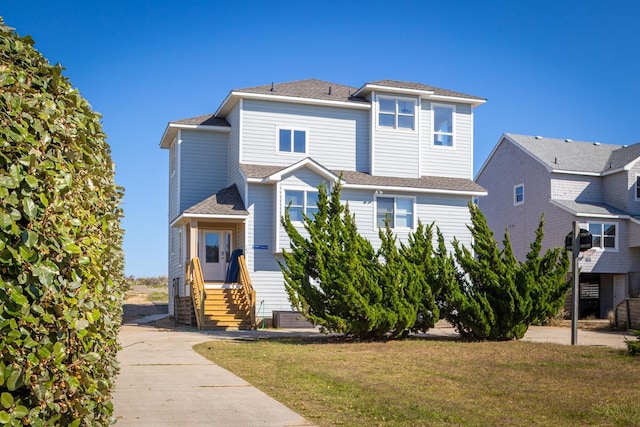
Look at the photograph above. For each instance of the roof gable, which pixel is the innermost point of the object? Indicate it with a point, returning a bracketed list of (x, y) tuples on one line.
[(568, 156)]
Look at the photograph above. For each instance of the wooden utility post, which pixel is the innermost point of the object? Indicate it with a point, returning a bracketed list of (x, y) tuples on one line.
[(575, 250)]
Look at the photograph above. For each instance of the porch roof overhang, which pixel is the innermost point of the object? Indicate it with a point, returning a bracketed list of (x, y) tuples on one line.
[(187, 217), (226, 205)]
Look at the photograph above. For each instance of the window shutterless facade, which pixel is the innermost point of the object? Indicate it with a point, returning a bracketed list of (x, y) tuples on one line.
[(518, 194), (443, 125), (396, 211), (396, 113), (604, 234), (299, 202), (292, 141)]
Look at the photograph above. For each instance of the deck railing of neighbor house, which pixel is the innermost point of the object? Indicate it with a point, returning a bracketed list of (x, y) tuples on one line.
[(247, 288), (196, 281)]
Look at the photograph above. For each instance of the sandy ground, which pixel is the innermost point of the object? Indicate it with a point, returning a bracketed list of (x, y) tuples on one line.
[(137, 304)]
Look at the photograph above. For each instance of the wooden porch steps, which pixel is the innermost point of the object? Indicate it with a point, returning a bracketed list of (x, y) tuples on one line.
[(226, 309)]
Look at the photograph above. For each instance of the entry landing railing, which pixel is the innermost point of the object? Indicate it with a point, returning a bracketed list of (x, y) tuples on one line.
[(247, 289), (196, 280)]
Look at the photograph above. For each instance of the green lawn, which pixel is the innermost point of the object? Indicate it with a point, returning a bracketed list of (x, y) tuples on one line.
[(431, 382)]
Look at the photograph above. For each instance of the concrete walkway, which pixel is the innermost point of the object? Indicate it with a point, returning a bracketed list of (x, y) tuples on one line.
[(163, 382)]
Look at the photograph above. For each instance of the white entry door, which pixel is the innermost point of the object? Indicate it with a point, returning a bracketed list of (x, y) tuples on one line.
[(214, 250)]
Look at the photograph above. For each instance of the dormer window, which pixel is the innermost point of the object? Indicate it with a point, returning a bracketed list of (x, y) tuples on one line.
[(396, 113)]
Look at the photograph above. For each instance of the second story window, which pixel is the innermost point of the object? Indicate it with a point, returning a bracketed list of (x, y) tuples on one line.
[(443, 125), (396, 113), (292, 141), (518, 194), (299, 202)]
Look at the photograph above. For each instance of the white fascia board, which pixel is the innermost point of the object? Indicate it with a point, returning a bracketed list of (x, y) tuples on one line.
[(294, 100), (406, 91), (588, 215), (308, 163), (612, 171), (636, 220), (172, 128), (457, 99), (566, 172), (414, 190)]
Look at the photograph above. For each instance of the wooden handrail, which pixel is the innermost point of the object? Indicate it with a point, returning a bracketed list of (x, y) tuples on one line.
[(196, 280), (247, 288)]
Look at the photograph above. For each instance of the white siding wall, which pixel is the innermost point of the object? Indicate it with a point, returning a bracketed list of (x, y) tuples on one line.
[(203, 166), (456, 161), (620, 190), (620, 261), (337, 138)]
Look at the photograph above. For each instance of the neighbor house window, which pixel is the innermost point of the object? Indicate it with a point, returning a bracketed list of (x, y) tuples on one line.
[(518, 194), (637, 187), (396, 211), (604, 235), (299, 202), (292, 141), (443, 125), (396, 113)]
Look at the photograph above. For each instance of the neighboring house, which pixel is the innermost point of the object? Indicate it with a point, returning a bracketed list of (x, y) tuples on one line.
[(593, 183), (405, 151)]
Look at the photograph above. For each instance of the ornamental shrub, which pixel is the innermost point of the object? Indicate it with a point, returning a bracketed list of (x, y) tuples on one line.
[(498, 298), (339, 282), (61, 263)]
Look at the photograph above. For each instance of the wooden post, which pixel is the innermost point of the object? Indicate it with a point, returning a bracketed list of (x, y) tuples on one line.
[(576, 282)]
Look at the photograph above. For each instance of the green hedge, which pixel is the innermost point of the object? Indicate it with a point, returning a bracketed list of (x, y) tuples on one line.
[(61, 262)]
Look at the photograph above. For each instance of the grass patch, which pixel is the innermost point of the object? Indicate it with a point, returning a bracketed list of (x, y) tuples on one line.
[(427, 382), (159, 296)]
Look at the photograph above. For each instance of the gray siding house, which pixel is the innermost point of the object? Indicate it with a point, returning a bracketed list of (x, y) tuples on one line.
[(405, 150), (593, 183)]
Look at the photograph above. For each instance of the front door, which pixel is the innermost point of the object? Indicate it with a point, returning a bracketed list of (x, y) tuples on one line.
[(619, 288), (214, 251)]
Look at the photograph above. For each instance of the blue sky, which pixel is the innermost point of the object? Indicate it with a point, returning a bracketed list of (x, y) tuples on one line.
[(560, 68)]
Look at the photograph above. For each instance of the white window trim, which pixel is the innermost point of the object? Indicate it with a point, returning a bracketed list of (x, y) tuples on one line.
[(395, 126), (636, 188), (515, 201), (585, 225), (453, 126), (394, 197), (283, 207), (292, 129), (173, 159)]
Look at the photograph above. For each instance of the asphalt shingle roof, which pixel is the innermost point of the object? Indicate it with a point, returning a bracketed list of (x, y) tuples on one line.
[(420, 86), (225, 202), (309, 88), (578, 156), (361, 178), (206, 120), (590, 208)]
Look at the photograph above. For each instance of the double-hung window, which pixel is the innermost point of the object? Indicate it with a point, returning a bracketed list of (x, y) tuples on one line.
[(518, 194), (299, 202), (396, 211), (604, 235), (443, 125), (292, 141), (396, 113)]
